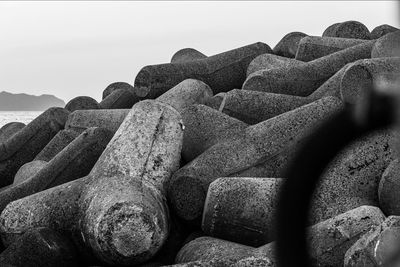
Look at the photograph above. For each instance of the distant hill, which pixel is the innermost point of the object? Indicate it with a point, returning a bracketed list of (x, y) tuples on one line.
[(24, 102)]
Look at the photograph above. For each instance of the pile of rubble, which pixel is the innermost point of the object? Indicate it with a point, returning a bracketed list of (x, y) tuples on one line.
[(185, 167)]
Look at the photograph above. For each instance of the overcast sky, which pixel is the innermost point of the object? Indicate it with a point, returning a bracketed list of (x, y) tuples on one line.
[(78, 48)]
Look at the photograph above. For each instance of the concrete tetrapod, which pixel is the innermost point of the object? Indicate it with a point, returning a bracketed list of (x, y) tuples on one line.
[(351, 81), (118, 212), (313, 47), (242, 210), (74, 161), (184, 94), (23, 146), (187, 54), (222, 72), (348, 29), (82, 102), (116, 86), (59, 141), (387, 46), (328, 240), (119, 99), (382, 30), (9, 130), (287, 46), (188, 186), (40, 247), (378, 247), (270, 61), (253, 106), (304, 79), (205, 127)]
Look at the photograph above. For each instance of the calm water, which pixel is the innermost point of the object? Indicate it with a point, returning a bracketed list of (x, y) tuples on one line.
[(20, 116)]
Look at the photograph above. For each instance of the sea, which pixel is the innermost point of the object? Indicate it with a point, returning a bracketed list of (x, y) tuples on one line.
[(18, 116)]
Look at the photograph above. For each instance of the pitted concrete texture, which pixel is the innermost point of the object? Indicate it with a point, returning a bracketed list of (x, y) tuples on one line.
[(81, 120), (313, 47), (82, 102), (205, 127), (187, 54), (270, 61), (382, 30), (287, 46), (209, 248), (352, 178), (40, 247), (116, 86), (118, 212), (242, 210), (23, 146), (329, 240), (304, 79), (388, 192), (186, 93), (28, 170), (119, 99), (222, 72), (254, 107), (188, 186), (387, 46), (378, 247), (365, 74), (348, 29), (9, 130), (58, 143), (74, 161)]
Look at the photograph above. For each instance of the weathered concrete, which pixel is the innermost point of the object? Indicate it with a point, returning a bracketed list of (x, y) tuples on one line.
[(379, 247), (382, 30), (187, 54), (352, 178), (313, 47), (118, 212), (28, 170), (349, 82), (82, 102), (110, 119), (205, 127), (74, 161), (222, 72), (287, 46), (242, 210), (59, 141), (40, 247), (364, 74), (23, 146), (387, 46), (304, 79), (186, 93), (270, 61), (328, 241), (388, 191), (9, 130), (348, 29), (119, 99), (253, 107), (188, 186), (116, 86)]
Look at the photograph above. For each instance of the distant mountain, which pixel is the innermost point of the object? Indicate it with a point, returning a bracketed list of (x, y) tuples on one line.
[(24, 102)]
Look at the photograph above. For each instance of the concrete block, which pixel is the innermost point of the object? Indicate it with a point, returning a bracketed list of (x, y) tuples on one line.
[(270, 61), (187, 54), (59, 141), (116, 86), (382, 30), (388, 191), (387, 46), (222, 72), (287, 46), (348, 29), (9, 130), (82, 102)]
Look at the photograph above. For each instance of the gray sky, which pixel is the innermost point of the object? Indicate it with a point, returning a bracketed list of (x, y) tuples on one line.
[(78, 48)]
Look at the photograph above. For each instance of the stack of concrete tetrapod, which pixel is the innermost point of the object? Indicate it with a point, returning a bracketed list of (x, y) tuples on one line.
[(184, 166)]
